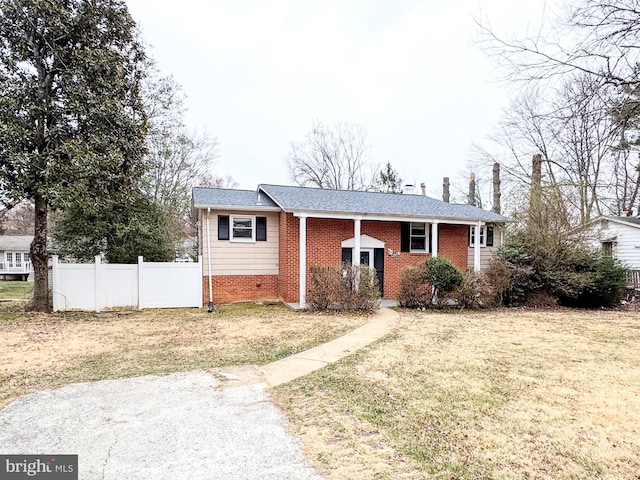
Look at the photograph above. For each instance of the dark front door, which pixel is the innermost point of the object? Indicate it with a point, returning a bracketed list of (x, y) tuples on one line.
[(365, 259)]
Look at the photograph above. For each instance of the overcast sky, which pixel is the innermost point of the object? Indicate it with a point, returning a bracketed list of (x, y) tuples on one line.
[(257, 73)]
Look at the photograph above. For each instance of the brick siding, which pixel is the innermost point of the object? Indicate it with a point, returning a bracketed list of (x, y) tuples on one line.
[(324, 237), (236, 288)]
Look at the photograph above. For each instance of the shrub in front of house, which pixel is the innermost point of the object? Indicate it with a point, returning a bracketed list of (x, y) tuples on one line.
[(346, 287), (429, 284), (574, 275), (414, 291), (442, 275), (474, 292)]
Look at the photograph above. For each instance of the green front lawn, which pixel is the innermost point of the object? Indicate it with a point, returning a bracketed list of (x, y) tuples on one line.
[(16, 290)]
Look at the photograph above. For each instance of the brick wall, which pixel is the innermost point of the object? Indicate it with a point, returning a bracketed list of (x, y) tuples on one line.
[(324, 237), (236, 288), (289, 257), (453, 241)]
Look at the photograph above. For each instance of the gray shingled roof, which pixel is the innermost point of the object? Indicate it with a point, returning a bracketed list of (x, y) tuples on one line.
[(223, 197), (15, 243), (373, 203), (634, 220)]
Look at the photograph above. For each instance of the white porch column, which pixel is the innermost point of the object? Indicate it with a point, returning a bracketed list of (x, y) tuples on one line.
[(303, 261), (356, 248), (356, 241), (434, 238), (476, 248)]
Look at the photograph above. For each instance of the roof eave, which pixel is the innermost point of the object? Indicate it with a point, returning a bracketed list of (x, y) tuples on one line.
[(261, 208), (388, 217)]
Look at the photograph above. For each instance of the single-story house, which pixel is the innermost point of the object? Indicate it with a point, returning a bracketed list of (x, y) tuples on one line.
[(14, 256), (259, 245), (618, 237)]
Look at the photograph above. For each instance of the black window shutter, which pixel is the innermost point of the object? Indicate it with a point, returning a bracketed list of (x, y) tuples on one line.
[(489, 236), (347, 255), (405, 237), (223, 227), (469, 236), (378, 264), (427, 231), (261, 229)]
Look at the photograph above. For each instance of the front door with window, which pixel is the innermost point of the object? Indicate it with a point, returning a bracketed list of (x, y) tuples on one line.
[(371, 257)]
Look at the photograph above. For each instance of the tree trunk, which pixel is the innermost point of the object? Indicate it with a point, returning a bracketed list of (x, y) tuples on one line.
[(40, 257)]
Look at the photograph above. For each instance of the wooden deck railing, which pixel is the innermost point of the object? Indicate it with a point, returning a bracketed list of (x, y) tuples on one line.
[(633, 278)]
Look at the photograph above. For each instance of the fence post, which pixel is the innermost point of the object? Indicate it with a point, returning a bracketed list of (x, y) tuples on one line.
[(201, 283), (54, 287), (99, 300), (140, 282)]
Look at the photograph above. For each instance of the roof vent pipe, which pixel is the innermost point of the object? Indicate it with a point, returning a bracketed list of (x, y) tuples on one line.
[(423, 188)]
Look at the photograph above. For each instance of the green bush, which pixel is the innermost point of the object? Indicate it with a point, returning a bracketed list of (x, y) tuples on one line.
[(428, 284), (441, 275), (576, 276), (346, 287)]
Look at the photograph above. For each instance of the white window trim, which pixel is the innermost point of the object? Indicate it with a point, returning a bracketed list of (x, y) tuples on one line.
[(483, 236), (242, 239), (9, 259), (426, 238)]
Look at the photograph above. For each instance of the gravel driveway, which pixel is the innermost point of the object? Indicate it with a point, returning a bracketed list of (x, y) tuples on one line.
[(177, 426)]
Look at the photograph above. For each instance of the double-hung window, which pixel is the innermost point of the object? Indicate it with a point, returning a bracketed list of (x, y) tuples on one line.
[(243, 229), (485, 235), (18, 260), (9, 258), (418, 237), (415, 237)]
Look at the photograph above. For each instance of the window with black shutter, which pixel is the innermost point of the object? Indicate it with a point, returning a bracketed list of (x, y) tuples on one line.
[(261, 229), (223, 227)]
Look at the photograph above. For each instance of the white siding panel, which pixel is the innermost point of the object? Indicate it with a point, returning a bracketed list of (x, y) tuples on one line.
[(238, 258), (625, 237), (486, 253)]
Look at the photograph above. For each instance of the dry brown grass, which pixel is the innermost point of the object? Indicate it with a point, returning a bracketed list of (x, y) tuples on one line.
[(545, 395), (43, 351)]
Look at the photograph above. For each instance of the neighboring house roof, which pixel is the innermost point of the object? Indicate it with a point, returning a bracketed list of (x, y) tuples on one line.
[(204, 197), (631, 221), (17, 243), (299, 199)]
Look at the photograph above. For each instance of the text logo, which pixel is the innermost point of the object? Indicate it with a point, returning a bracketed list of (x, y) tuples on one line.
[(49, 467)]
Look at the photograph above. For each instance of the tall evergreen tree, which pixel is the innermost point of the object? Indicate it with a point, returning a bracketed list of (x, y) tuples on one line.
[(72, 123)]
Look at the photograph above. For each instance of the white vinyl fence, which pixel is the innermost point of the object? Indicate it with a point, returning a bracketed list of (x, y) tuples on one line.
[(99, 286)]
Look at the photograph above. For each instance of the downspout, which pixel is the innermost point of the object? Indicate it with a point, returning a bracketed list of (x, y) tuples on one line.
[(210, 304)]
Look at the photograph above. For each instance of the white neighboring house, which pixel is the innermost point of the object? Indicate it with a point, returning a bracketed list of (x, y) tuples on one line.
[(618, 237), (14, 257)]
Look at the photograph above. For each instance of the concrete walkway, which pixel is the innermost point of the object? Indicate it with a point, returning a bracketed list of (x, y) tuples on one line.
[(282, 371)]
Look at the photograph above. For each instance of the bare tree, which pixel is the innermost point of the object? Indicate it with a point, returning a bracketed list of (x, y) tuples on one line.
[(333, 157), (217, 181), (594, 37), (572, 127), (17, 220)]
